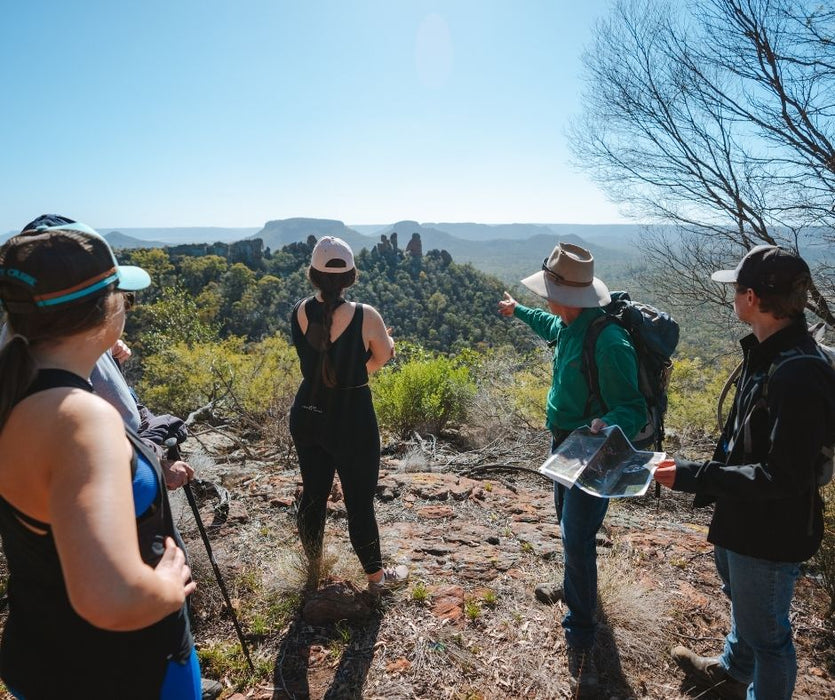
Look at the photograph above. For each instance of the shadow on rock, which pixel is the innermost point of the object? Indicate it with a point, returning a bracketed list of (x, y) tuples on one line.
[(337, 620)]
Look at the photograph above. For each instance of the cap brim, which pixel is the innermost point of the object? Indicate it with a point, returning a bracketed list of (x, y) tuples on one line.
[(596, 294), (132, 279), (727, 276)]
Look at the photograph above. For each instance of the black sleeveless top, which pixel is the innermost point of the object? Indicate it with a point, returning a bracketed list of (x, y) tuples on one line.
[(48, 650), (347, 353)]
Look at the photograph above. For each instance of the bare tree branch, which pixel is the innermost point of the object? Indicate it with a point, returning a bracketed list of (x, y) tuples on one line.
[(718, 118)]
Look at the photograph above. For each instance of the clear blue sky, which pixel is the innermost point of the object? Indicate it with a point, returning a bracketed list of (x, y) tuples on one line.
[(233, 112)]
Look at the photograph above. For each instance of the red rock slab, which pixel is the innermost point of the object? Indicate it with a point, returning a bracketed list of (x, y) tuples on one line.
[(435, 512), (398, 666), (433, 486), (691, 598), (456, 592), (448, 609), (282, 502)]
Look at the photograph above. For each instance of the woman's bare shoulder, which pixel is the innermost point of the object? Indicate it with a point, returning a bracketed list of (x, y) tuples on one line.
[(64, 413), (370, 314)]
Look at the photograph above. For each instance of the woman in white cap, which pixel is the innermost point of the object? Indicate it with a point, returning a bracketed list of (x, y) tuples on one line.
[(97, 585), (332, 420)]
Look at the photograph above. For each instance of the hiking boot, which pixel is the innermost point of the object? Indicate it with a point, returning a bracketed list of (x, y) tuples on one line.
[(209, 689), (709, 672), (394, 577), (582, 669), (549, 593)]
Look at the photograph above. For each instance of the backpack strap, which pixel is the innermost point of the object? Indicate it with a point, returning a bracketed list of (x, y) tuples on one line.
[(762, 402), (588, 363), (789, 356)]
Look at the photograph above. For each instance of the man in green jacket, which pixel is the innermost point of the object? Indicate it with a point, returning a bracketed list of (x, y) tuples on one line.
[(574, 297)]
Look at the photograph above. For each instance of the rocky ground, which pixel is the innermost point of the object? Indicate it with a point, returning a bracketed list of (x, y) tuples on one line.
[(477, 536), (478, 531)]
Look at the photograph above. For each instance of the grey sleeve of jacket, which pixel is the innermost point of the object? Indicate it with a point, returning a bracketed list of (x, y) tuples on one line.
[(108, 382)]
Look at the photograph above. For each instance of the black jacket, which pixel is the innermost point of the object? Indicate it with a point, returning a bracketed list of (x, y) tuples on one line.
[(767, 501)]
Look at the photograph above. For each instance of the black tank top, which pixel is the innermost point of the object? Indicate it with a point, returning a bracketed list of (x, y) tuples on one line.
[(347, 353), (48, 650)]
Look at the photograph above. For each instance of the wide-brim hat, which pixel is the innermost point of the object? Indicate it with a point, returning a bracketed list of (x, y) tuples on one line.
[(567, 278)]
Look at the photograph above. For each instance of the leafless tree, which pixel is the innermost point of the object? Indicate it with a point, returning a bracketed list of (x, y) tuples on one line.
[(717, 118)]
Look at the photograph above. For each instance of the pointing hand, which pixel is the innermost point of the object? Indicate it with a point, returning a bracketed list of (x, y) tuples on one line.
[(507, 305)]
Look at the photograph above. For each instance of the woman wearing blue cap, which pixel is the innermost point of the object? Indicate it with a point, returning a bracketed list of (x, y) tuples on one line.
[(97, 586)]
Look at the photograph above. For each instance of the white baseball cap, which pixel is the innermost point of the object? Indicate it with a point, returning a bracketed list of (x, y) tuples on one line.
[(331, 254)]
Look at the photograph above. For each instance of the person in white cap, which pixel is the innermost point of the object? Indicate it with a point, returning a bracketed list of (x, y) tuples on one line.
[(574, 297), (763, 477), (332, 421)]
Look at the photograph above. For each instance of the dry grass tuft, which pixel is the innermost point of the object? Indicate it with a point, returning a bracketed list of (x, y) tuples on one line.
[(634, 609)]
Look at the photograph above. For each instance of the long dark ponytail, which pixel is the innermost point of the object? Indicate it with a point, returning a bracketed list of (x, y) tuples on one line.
[(330, 285)]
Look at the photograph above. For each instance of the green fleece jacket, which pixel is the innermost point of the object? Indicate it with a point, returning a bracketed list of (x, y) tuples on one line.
[(617, 367)]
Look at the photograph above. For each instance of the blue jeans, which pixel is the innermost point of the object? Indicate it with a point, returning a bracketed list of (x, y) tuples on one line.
[(580, 515), (759, 649)]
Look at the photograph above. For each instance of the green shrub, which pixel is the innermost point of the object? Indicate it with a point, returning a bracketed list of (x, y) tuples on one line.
[(248, 381), (420, 593), (694, 393), (173, 317), (512, 387), (422, 395)]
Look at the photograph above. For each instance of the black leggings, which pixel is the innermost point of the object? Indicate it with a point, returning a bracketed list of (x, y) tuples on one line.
[(338, 435), (358, 474)]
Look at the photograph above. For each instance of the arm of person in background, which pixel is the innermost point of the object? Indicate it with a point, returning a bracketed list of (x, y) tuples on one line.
[(109, 383), (121, 352), (546, 325), (377, 339), (90, 503), (159, 429)]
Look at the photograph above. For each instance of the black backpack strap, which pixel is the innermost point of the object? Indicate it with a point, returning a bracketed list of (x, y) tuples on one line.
[(588, 363)]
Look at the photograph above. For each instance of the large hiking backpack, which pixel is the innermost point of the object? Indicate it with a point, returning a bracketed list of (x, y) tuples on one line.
[(825, 468), (654, 335)]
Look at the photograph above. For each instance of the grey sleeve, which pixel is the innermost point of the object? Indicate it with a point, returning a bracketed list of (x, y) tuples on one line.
[(108, 382)]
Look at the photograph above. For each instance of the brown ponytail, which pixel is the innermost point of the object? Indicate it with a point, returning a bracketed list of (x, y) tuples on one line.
[(331, 285), (17, 369)]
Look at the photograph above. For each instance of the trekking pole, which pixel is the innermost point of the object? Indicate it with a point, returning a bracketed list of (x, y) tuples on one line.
[(173, 452)]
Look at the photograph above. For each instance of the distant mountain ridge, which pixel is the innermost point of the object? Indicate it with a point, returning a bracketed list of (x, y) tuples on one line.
[(181, 234), (117, 239), (487, 232), (281, 232), (507, 250)]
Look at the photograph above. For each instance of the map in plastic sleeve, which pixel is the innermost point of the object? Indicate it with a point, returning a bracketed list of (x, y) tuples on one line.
[(603, 464)]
